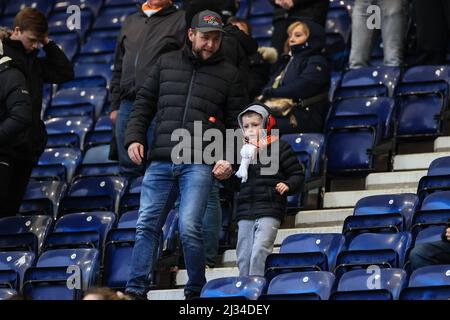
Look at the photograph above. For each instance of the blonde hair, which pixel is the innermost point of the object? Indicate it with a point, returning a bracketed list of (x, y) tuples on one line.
[(291, 28)]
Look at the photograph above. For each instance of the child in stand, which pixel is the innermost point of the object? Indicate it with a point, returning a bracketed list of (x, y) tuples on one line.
[(262, 199)]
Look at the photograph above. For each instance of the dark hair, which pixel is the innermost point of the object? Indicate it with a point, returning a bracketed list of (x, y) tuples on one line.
[(235, 19), (30, 19), (106, 294)]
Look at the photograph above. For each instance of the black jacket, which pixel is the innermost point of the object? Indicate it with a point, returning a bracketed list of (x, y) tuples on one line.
[(307, 74), (53, 68), (182, 89), (258, 196), (310, 9), (141, 41), (15, 114)]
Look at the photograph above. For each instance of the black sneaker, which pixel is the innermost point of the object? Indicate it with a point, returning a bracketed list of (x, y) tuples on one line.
[(136, 296), (191, 295)]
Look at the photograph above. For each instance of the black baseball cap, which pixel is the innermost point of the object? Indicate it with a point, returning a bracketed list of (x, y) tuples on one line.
[(207, 21)]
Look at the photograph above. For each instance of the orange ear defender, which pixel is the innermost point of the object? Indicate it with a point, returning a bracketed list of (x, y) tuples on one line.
[(271, 122)]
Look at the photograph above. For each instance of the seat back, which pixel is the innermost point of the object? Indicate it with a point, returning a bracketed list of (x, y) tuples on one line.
[(249, 288)]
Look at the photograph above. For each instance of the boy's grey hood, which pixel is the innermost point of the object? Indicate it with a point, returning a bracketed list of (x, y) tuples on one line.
[(260, 109)]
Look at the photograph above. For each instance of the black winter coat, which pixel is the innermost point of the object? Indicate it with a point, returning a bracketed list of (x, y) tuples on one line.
[(142, 40), (258, 196), (181, 89), (307, 74), (15, 114), (310, 9), (53, 68)]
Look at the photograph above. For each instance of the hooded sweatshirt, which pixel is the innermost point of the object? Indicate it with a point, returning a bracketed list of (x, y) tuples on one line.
[(258, 196)]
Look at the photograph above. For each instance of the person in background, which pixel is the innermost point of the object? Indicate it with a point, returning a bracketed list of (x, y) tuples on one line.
[(158, 27), (30, 31), (288, 11), (393, 32), (298, 92)]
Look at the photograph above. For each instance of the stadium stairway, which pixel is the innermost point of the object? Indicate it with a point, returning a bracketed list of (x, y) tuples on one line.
[(408, 169)]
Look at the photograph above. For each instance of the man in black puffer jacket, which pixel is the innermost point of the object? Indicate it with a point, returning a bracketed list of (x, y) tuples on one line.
[(190, 88), (15, 124), (262, 199)]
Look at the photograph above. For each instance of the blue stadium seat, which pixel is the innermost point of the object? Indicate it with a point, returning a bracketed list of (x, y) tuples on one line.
[(368, 82), (68, 42), (6, 294), (261, 8), (97, 51), (49, 279), (384, 250), (102, 133), (309, 150), (236, 288), (77, 102), (57, 23), (375, 284), (13, 265), (381, 213), (24, 233), (43, 197), (423, 101), (244, 9), (13, 7), (128, 220), (262, 32), (96, 163), (428, 283), (339, 22), (81, 230), (336, 78), (305, 252), (57, 164), (108, 23), (131, 199), (437, 178), (436, 201), (359, 112), (93, 5), (119, 248), (309, 285), (94, 194), (115, 3), (68, 131), (90, 75)]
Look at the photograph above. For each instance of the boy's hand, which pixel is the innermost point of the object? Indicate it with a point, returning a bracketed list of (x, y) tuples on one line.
[(222, 170), (282, 188), (447, 233), (136, 152)]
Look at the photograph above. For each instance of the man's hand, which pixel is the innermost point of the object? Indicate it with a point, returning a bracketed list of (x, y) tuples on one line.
[(45, 40), (222, 170), (447, 233), (113, 116), (136, 152), (282, 188), (285, 4)]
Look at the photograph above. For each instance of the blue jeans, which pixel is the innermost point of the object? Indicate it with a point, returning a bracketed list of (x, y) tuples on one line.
[(432, 253), (212, 224), (162, 183), (393, 30), (127, 167)]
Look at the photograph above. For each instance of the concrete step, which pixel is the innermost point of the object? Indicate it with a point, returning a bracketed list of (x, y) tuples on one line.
[(229, 258), (210, 274), (168, 294), (394, 180), (322, 218), (416, 161), (442, 144), (345, 199)]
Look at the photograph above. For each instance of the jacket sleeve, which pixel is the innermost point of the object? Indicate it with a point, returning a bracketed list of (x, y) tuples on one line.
[(313, 80), (18, 105), (117, 73), (56, 67), (291, 168), (144, 108), (237, 100)]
